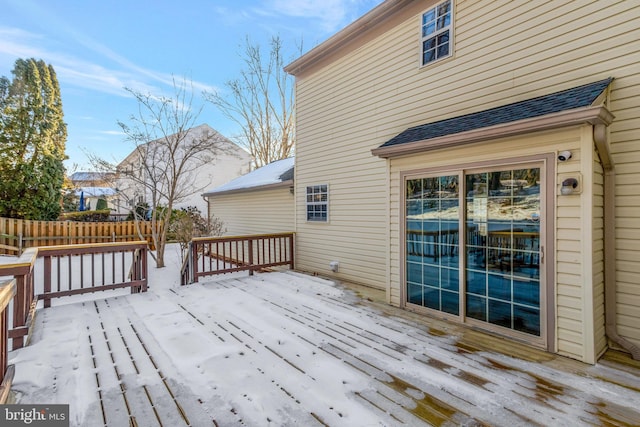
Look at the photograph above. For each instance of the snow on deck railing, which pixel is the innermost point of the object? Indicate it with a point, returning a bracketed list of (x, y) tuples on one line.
[(218, 255)]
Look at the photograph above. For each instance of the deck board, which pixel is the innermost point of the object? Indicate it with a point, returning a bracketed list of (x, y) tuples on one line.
[(171, 357)]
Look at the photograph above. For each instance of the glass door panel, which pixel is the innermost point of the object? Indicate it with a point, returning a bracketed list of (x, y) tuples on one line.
[(432, 239), (502, 250)]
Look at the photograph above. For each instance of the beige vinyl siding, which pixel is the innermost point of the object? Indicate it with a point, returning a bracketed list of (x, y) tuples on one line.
[(255, 212), (355, 234), (504, 52), (625, 145), (600, 338)]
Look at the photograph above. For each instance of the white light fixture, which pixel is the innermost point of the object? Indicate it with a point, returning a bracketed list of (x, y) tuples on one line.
[(569, 185)]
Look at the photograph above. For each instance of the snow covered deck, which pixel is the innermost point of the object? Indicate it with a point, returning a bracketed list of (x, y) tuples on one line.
[(288, 349)]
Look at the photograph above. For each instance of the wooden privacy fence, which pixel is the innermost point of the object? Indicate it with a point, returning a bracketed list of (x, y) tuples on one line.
[(218, 255), (16, 235)]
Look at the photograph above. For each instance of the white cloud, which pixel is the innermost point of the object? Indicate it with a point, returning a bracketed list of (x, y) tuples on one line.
[(72, 71), (332, 14), (112, 132)]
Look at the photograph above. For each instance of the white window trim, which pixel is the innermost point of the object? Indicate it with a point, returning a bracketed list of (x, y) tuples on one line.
[(450, 27), (307, 204)]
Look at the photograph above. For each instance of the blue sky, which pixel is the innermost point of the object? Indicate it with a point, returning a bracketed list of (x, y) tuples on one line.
[(99, 47)]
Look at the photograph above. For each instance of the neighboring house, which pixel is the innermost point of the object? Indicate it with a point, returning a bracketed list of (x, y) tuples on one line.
[(92, 179), (201, 172), (94, 186), (91, 196), (480, 161), (256, 203)]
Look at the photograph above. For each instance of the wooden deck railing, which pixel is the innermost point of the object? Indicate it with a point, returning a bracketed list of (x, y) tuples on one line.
[(23, 304), (70, 270), (79, 269), (218, 255), (7, 292), (66, 270)]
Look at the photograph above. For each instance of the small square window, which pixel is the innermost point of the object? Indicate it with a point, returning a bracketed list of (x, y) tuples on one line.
[(437, 32), (317, 203)]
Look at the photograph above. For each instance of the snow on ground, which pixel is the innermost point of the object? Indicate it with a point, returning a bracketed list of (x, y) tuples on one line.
[(286, 349)]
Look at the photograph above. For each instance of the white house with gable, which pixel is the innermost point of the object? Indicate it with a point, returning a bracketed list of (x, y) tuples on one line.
[(200, 172)]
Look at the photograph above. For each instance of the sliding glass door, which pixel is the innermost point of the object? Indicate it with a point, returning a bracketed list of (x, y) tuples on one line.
[(492, 274)]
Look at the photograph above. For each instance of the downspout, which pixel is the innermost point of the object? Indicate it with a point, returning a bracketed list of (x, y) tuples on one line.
[(610, 294), (206, 199)]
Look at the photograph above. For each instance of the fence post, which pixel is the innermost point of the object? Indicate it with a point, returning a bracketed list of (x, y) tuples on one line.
[(19, 244)]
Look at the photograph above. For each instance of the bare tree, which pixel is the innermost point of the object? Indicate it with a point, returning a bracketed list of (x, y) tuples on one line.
[(262, 102), (169, 149)]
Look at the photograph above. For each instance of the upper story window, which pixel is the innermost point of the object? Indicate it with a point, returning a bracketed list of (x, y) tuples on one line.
[(317, 203), (437, 36)]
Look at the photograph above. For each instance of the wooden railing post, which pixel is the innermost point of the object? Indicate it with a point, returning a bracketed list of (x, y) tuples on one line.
[(135, 270), (250, 243), (291, 252), (47, 280), (194, 262), (144, 269), (19, 313)]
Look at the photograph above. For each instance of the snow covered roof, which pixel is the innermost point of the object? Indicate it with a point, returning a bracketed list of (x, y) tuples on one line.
[(89, 176), (275, 173), (96, 191)]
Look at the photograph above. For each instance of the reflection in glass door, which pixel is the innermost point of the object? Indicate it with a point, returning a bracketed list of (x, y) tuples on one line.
[(501, 254), (503, 248), (432, 227)]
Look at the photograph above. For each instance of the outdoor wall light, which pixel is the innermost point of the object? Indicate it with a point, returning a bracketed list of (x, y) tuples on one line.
[(569, 185)]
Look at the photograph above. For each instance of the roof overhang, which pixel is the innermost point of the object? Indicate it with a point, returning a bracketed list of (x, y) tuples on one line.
[(593, 115)]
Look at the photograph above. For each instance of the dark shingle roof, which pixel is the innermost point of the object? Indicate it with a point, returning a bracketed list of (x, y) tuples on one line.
[(577, 97)]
